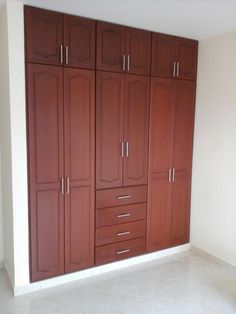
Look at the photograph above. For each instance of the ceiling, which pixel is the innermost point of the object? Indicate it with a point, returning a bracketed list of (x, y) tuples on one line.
[(196, 19)]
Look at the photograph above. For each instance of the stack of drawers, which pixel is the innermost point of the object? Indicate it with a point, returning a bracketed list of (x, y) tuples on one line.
[(120, 223)]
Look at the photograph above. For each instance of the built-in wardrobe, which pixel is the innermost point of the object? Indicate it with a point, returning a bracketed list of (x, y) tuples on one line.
[(110, 115)]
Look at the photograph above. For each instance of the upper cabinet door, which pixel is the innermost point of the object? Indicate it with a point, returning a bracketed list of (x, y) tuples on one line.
[(79, 106), (183, 126), (138, 51), (186, 56), (43, 36), (109, 129), (163, 55), (136, 129), (110, 47), (46, 169), (79, 41)]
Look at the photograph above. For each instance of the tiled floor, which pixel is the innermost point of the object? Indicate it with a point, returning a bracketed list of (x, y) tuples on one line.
[(186, 283)]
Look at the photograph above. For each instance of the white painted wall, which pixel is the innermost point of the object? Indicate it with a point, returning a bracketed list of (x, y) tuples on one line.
[(213, 218), (1, 218)]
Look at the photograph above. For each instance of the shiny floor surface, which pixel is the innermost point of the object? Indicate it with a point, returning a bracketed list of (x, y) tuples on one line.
[(185, 283)]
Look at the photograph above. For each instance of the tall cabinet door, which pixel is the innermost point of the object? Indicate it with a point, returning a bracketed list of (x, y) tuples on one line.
[(136, 129), (79, 40), (79, 106), (138, 51), (109, 129), (46, 170), (160, 155), (110, 47), (44, 36)]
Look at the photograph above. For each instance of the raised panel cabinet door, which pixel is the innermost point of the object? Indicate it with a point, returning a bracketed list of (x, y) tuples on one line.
[(138, 51), (110, 47), (136, 129), (46, 170), (163, 55), (183, 126), (79, 107), (180, 212), (109, 129), (79, 41), (44, 36), (186, 55)]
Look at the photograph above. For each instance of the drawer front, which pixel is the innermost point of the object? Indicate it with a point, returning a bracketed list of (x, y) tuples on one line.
[(121, 196), (117, 233), (115, 252), (121, 214)]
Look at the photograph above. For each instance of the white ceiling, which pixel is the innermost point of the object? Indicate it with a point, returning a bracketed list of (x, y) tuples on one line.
[(197, 19)]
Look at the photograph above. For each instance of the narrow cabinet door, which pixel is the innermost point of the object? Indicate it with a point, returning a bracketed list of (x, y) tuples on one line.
[(138, 51), (160, 153), (79, 40), (46, 170), (163, 55), (44, 36), (136, 129), (110, 47), (109, 129), (186, 55), (79, 103)]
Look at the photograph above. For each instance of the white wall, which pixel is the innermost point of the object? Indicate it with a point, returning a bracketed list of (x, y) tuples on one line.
[(213, 217), (1, 218)]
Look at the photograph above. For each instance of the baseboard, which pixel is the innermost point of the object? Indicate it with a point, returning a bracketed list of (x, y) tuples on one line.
[(1, 264), (49, 283)]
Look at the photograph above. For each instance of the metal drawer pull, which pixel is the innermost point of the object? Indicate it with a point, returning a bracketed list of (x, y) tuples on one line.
[(67, 55), (62, 186), (170, 175), (123, 215), (123, 197), (68, 185), (128, 63), (173, 176), (122, 150), (123, 233), (177, 70), (61, 54), (174, 69), (123, 251), (124, 62)]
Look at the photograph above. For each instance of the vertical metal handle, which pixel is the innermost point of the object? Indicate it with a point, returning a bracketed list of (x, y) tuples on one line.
[(122, 149), (177, 69), (68, 185), (61, 54), (123, 62), (67, 55), (128, 63), (169, 179), (174, 69), (173, 175), (62, 186), (127, 149)]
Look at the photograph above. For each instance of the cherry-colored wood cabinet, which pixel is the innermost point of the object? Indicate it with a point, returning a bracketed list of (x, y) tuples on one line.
[(174, 57), (55, 38), (46, 170), (79, 106), (123, 49)]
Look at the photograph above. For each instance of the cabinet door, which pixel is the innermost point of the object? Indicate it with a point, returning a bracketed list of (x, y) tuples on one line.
[(186, 55), (109, 129), (43, 32), (110, 47), (180, 214), (138, 51), (160, 151), (163, 55), (79, 105), (79, 40), (136, 129), (45, 152)]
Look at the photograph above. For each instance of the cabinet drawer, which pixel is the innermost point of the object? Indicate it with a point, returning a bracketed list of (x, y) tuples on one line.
[(115, 252), (121, 196), (121, 214), (117, 233)]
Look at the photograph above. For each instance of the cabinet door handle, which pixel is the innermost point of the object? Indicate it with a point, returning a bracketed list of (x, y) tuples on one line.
[(127, 149), (173, 175), (174, 69), (68, 185), (123, 233), (128, 63), (123, 197), (67, 55), (61, 54), (123, 251), (177, 69), (122, 150), (124, 63), (123, 215), (62, 186), (169, 179)]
